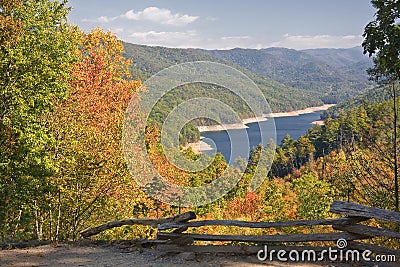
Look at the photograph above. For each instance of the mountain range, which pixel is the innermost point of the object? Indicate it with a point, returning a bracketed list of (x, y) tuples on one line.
[(339, 74), (290, 79)]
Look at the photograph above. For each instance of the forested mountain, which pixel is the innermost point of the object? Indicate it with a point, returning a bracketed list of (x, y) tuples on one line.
[(342, 57), (372, 96), (149, 60), (338, 74), (290, 79)]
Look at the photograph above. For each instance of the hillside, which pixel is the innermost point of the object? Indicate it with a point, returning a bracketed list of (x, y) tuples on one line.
[(149, 60), (372, 96), (338, 74), (340, 57)]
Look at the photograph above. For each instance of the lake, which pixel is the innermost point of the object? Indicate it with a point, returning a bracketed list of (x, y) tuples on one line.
[(295, 126)]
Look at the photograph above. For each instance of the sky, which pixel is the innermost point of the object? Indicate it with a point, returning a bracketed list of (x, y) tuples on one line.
[(226, 24)]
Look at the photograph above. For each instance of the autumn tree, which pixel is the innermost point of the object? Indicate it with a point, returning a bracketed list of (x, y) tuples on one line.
[(88, 125), (358, 163), (383, 43), (35, 58)]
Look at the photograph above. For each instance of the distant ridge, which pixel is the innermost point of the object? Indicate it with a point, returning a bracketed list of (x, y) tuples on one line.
[(290, 79), (339, 74), (148, 60)]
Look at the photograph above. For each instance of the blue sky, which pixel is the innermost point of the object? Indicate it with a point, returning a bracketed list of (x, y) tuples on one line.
[(226, 24)]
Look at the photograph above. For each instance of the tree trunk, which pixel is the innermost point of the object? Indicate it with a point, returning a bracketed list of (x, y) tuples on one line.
[(396, 180), (58, 215), (51, 225)]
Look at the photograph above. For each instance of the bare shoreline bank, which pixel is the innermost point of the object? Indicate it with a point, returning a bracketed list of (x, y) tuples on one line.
[(224, 127), (319, 122), (198, 147), (301, 111)]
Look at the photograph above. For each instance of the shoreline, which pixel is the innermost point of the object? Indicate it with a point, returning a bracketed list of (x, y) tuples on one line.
[(301, 111), (198, 147), (201, 146), (319, 122), (239, 126)]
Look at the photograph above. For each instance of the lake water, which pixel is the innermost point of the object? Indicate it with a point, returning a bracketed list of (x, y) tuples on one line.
[(295, 126)]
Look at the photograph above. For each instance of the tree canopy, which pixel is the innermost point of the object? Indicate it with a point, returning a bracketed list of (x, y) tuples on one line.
[(35, 59), (382, 40)]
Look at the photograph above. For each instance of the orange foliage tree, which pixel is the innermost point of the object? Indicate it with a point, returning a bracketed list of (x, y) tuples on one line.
[(88, 125)]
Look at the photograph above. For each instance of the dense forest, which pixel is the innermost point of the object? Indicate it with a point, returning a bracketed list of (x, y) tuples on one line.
[(313, 70), (149, 60), (64, 93), (372, 96), (290, 79)]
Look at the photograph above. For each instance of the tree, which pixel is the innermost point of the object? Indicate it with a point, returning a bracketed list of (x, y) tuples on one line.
[(88, 124), (35, 58), (314, 196), (382, 40), (304, 151)]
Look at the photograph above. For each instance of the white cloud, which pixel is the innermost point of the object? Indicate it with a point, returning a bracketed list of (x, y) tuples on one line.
[(189, 39), (170, 39), (153, 14), (318, 41), (235, 38), (160, 15), (195, 39), (102, 19)]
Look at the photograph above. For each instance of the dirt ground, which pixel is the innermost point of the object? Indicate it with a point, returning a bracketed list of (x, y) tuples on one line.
[(62, 255)]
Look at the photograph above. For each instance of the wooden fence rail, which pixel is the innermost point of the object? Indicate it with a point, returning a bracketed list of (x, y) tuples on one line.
[(348, 228), (338, 221), (184, 217), (352, 209)]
